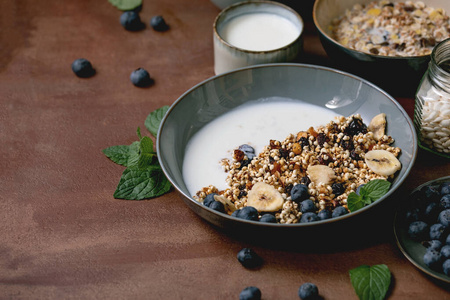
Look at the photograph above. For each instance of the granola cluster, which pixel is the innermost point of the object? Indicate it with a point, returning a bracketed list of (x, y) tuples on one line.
[(340, 145), (392, 28)]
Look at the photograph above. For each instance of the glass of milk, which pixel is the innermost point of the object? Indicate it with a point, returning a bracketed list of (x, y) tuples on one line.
[(256, 32)]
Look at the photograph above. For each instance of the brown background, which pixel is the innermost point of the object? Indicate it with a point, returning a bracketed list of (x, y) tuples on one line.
[(64, 236)]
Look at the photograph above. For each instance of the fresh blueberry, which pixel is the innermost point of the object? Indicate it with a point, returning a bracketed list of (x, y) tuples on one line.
[(338, 188), (209, 199), (412, 214), (433, 245), (418, 230), (432, 258), (358, 189), (308, 291), (248, 213), (324, 214), (250, 293), (299, 193), (131, 21), (248, 258), (158, 23), (268, 218), (444, 203), (307, 206), (445, 252), (444, 188), (446, 267), (309, 217), (217, 206), (444, 217), (248, 150), (339, 211), (431, 212), (141, 78), (235, 213), (431, 193), (82, 68), (438, 232)]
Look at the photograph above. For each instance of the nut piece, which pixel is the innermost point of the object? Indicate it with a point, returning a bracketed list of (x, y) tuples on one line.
[(321, 174)]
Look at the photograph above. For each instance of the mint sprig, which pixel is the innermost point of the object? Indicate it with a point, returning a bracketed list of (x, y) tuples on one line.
[(143, 178), (154, 119), (371, 282), (125, 4), (370, 192)]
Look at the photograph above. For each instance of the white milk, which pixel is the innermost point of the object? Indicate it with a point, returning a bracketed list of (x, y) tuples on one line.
[(254, 123), (259, 31)]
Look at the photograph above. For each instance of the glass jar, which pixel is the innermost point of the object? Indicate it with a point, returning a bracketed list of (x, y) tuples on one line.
[(432, 104)]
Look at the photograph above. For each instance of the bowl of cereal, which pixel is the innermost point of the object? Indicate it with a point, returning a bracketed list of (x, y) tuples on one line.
[(387, 42), (268, 150)]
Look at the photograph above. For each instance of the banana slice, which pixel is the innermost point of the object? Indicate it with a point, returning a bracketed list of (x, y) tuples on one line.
[(229, 206), (378, 126), (265, 197), (321, 174), (382, 162)]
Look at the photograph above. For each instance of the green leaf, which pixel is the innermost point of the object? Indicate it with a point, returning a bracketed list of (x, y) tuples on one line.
[(153, 120), (371, 283), (125, 4), (354, 202), (138, 184), (375, 189), (147, 155), (122, 154)]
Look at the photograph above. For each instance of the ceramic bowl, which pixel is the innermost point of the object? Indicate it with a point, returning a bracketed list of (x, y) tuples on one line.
[(397, 75), (228, 56), (346, 93)]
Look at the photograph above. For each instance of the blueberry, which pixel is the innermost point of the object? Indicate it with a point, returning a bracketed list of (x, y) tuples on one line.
[(339, 211), (432, 258), (82, 68), (299, 193), (248, 258), (438, 232), (209, 199), (324, 214), (268, 218), (433, 245), (309, 217), (235, 213), (418, 231), (338, 189), (307, 206), (431, 212), (250, 293), (249, 151), (431, 193), (444, 203), (445, 252), (446, 267), (131, 21), (158, 23), (308, 291), (248, 213), (217, 206), (412, 214), (444, 217), (141, 78), (444, 188)]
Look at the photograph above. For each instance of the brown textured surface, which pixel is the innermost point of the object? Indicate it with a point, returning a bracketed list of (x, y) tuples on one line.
[(63, 235)]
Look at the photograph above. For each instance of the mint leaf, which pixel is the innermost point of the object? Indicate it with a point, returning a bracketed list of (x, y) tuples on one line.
[(354, 202), (121, 154), (138, 183), (125, 4), (146, 152), (154, 119), (371, 283), (375, 189)]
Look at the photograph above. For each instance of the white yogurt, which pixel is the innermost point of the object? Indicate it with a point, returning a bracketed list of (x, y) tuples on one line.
[(259, 31), (254, 123)]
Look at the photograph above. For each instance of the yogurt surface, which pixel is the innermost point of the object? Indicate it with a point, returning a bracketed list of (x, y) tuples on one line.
[(254, 123), (259, 31)]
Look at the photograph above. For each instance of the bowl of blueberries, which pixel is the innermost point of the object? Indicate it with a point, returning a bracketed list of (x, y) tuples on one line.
[(422, 228)]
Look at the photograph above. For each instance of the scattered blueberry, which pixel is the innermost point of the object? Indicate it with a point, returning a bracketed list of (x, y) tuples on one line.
[(268, 218), (418, 230), (432, 258), (131, 21), (438, 232), (217, 206), (309, 217), (324, 214), (209, 199), (250, 293), (446, 267), (248, 258), (338, 188), (444, 189), (444, 217), (308, 291), (444, 203), (433, 245), (339, 211), (299, 193), (307, 206), (158, 23), (248, 213), (82, 68), (141, 78), (445, 252)]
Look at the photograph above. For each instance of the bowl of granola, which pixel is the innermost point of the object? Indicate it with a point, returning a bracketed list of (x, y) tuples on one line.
[(286, 148), (388, 42)]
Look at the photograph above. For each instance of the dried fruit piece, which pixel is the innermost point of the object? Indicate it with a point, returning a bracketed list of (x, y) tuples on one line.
[(378, 126), (321, 174), (264, 197), (382, 162)]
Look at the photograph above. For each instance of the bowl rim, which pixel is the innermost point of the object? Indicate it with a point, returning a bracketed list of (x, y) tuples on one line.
[(325, 35), (293, 225)]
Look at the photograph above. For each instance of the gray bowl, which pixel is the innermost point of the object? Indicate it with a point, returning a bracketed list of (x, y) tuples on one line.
[(397, 75), (322, 86)]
